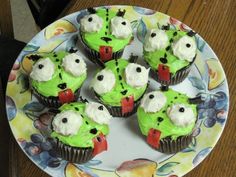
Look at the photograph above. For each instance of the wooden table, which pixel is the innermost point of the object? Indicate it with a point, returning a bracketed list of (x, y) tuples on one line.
[(215, 21)]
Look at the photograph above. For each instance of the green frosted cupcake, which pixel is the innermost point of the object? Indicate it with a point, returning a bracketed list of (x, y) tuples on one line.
[(120, 86), (167, 119), (56, 78), (79, 130), (105, 33), (170, 54)]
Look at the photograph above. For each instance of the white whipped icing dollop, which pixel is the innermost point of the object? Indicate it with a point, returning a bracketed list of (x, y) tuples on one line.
[(104, 81), (74, 64), (181, 115), (153, 101), (97, 112), (43, 70), (185, 48), (120, 27), (155, 39), (91, 23), (136, 75), (67, 123)]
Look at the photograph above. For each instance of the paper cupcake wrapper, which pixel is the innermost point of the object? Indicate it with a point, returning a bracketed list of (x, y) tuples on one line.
[(179, 76), (94, 56), (169, 146), (52, 101), (116, 111), (73, 154)]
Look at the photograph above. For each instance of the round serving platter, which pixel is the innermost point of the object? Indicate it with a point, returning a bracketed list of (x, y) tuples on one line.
[(125, 141)]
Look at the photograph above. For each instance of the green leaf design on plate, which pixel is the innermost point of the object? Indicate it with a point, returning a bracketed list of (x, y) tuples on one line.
[(23, 80), (166, 168)]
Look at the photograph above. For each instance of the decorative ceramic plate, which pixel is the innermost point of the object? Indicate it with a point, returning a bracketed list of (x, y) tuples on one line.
[(207, 79)]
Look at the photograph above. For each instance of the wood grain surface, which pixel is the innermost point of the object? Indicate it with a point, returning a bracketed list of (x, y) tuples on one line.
[(215, 21)]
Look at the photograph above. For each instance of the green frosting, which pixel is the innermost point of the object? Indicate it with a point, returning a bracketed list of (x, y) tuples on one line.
[(94, 41), (50, 88), (173, 62), (167, 128), (83, 138), (114, 97)]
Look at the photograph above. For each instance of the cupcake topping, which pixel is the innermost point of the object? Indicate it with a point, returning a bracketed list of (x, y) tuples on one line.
[(120, 27), (43, 70), (181, 115), (74, 64), (153, 101), (185, 48), (155, 40), (97, 112), (136, 75), (67, 123), (91, 23), (104, 81)]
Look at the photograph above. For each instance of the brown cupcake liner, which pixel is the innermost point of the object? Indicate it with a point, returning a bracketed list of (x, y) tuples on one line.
[(52, 101), (94, 56), (179, 76), (169, 146), (116, 111), (73, 154)]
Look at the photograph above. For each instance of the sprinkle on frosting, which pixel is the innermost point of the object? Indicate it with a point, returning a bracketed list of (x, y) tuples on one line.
[(67, 123), (120, 27), (104, 81), (136, 75), (155, 40), (185, 48), (91, 23), (97, 112), (181, 115), (43, 70), (153, 101), (74, 64)]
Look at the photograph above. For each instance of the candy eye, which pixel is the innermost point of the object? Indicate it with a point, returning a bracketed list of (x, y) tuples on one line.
[(43, 70), (104, 81), (185, 48), (155, 40), (136, 75), (91, 23), (153, 101), (181, 115), (67, 123), (74, 64), (120, 27), (98, 113)]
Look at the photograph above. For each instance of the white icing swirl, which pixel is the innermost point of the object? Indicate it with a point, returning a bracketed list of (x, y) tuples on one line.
[(120, 27), (67, 123), (43, 70), (155, 39), (104, 81), (153, 101), (181, 115), (74, 64), (185, 48), (91, 23), (136, 75), (97, 112)]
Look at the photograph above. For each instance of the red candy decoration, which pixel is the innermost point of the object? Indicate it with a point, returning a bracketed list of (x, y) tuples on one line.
[(127, 104), (100, 144), (105, 53), (153, 137), (66, 96), (163, 72)]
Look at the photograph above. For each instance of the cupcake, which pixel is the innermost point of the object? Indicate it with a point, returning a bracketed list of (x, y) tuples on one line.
[(105, 33), (167, 119), (120, 86), (170, 54), (56, 78), (79, 130)]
